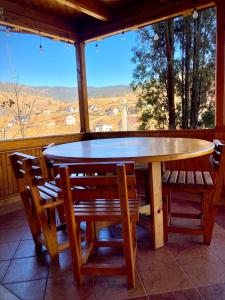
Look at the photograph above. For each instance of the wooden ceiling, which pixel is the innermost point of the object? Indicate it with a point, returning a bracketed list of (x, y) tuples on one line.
[(86, 20)]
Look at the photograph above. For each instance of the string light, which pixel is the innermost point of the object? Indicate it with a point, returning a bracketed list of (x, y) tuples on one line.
[(40, 46), (96, 47), (195, 14), (156, 37), (123, 37)]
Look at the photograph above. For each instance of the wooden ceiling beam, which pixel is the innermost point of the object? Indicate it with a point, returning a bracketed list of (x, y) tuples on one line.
[(88, 7), (30, 20), (142, 14)]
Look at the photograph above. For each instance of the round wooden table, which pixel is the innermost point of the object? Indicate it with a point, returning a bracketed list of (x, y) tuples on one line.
[(151, 150)]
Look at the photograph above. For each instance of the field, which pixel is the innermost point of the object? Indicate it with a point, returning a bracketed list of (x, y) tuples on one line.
[(32, 115)]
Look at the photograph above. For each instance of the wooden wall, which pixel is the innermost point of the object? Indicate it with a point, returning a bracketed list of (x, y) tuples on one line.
[(34, 147)]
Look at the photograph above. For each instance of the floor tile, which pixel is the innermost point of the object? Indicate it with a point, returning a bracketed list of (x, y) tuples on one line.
[(204, 270), (213, 292), (64, 268), (190, 294), (27, 235), (14, 222), (218, 245), (187, 246), (26, 248), (160, 272), (28, 290), (6, 294), (146, 256), (30, 268), (60, 288), (9, 234), (115, 287), (7, 250), (4, 264)]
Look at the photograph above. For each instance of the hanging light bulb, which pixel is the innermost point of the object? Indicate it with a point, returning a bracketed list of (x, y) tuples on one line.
[(123, 37), (41, 49), (195, 14), (96, 47), (156, 37)]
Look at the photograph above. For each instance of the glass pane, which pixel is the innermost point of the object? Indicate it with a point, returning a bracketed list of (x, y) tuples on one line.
[(38, 96)]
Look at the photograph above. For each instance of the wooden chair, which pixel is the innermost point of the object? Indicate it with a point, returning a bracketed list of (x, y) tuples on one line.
[(206, 184), (109, 195), (40, 200)]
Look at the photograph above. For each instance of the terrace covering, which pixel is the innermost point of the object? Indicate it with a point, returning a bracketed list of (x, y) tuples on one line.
[(81, 21)]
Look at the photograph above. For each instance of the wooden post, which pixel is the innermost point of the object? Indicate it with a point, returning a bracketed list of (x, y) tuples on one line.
[(82, 87), (220, 64), (155, 186)]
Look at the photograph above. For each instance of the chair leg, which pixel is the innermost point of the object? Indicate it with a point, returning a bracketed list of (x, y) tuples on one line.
[(50, 234), (61, 213), (129, 254), (206, 219), (33, 220), (75, 248)]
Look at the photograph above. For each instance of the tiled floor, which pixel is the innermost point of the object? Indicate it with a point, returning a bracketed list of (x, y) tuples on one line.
[(183, 269)]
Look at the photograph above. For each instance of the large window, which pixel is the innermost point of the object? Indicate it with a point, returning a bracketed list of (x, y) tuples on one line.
[(167, 71), (38, 94)]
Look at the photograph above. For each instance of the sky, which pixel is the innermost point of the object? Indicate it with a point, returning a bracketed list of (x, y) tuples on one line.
[(20, 56)]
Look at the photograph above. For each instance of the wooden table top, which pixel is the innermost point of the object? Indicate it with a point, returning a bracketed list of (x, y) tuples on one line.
[(138, 149)]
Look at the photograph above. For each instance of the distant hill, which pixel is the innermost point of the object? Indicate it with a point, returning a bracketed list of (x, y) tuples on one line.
[(68, 94)]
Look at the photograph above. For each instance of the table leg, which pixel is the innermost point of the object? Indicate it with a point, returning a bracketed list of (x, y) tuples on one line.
[(155, 186)]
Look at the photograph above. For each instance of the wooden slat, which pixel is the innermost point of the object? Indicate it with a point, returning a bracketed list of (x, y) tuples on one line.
[(80, 194), (166, 176), (101, 181), (173, 177), (208, 179), (182, 177), (190, 178), (199, 178), (48, 191), (89, 7), (94, 167), (52, 187)]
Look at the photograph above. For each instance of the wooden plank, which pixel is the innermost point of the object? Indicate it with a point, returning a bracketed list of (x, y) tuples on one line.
[(166, 176), (101, 181), (190, 178), (155, 187), (173, 177), (99, 194), (88, 7), (208, 179), (140, 14), (182, 177), (38, 22), (199, 178), (82, 87)]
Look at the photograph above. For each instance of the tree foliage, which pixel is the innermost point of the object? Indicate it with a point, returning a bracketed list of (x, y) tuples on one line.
[(174, 74)]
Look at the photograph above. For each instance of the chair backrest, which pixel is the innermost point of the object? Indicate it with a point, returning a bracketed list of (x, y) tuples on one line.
[(215, 157), (96, 180), (217, 161), (49, 163), (19, 161)]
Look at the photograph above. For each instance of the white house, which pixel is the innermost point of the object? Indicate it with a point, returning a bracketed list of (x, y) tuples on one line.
[(103, 128), (70, 120)]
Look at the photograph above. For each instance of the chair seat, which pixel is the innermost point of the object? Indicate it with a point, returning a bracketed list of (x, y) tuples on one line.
[(104, 210), (188, 179)]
